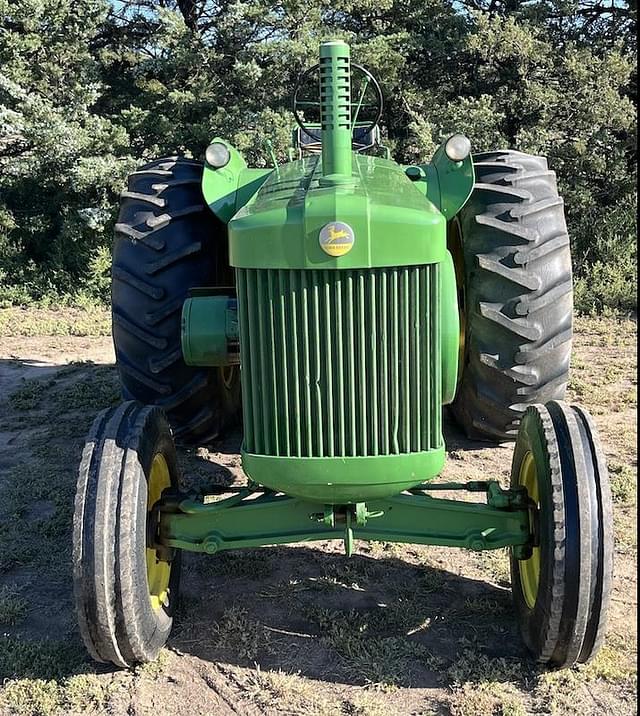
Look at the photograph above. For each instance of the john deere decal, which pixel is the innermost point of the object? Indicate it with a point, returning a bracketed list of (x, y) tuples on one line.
[(336, 238)]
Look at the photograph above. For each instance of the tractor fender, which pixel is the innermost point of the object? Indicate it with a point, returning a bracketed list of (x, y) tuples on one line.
[(228, 188)]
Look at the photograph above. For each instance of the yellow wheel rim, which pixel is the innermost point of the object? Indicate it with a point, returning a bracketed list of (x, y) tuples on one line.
[(158, 572), (530, 568)]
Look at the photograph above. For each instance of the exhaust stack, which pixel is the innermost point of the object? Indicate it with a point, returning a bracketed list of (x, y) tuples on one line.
[(335, 111)]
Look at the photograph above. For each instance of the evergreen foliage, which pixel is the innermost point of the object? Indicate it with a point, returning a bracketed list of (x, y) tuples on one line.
[(90, 88)]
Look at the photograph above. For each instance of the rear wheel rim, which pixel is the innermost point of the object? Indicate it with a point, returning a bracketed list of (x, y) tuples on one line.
[(529, 569), (158, 571)]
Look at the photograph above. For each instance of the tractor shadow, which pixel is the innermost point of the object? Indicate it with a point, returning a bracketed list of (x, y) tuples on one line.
[(389, 614), (455, 438), (369, 619)]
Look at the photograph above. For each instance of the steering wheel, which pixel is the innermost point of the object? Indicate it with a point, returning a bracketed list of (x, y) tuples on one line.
[(369, 81)]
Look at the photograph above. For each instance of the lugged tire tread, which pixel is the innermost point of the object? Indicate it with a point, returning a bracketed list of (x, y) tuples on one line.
[(518, 292), (167, 260), (122, 274), (134, 329), (156, 365), (163, 247), (145, 198), (159, 222), (153, 317), (156, 386)]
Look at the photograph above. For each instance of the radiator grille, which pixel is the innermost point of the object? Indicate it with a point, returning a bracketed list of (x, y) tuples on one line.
[(340, 363)]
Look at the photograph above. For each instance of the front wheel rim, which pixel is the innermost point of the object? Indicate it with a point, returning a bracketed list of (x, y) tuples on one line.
[(529, 569), (158, 571)]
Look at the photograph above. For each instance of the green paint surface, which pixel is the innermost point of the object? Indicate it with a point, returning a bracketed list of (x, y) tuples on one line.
[(393, 223), (253, 519), (342, 480)]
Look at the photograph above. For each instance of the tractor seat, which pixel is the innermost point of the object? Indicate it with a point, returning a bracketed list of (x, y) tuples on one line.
[(362, 140)]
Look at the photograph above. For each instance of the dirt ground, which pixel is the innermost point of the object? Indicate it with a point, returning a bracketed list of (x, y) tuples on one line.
[(289, 630)]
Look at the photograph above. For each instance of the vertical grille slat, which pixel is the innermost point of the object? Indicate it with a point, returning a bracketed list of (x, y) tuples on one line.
[(317, 373), (254, 352), (374, 361), (414, 347), (363, 383), (266, 384), (304, 319), (271, 347), (351, 370), (406, 393), (384, 368), (340, 363), (329, 326), (283, 299), (247, 404), (342, 413), (395, 363), (296, 410), (426, 361), (436, 365)]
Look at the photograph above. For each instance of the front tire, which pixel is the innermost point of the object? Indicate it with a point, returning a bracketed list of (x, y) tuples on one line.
[(513, 261), (125, 591), (561, 591)]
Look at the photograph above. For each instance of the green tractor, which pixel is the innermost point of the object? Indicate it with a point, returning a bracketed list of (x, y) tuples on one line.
[(336, 303)]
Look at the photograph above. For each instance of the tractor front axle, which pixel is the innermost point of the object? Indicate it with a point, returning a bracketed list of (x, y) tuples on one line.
[(253, 517)]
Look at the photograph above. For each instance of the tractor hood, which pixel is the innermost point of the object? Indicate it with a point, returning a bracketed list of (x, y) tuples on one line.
[(297, 221)]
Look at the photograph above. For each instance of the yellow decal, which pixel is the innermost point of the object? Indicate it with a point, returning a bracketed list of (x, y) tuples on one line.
[(336, 238)]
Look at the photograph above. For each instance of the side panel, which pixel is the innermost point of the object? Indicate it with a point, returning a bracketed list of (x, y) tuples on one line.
[(450, 327)]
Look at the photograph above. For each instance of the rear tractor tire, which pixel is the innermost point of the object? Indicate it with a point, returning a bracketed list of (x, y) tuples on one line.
[(167, 242), (125, 590), (513, 263), (561, 591)]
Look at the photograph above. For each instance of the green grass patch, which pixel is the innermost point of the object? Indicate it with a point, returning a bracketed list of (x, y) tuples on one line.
[(13, 607), (154, 669), (45, 659), (90, 321), (289, 693), (365, 655), (623, 484), (30, 394), (237, 633), (79, 694)]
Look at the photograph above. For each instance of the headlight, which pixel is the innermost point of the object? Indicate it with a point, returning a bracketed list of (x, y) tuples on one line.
[(217, 155), (457, 148)]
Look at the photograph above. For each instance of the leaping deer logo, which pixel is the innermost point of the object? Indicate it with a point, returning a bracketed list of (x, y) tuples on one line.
[(336, 238), (335, 234)]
